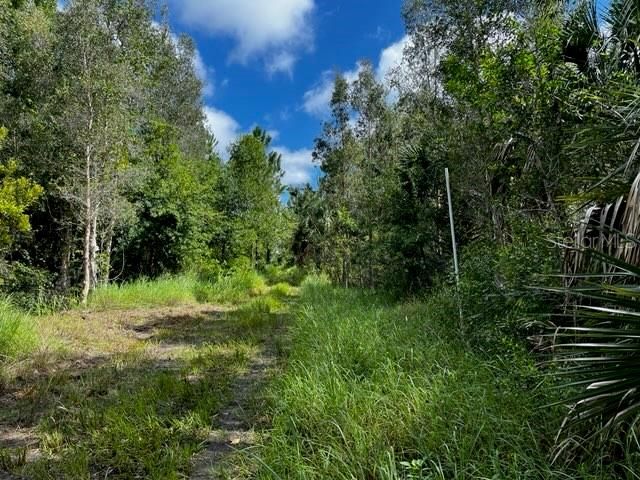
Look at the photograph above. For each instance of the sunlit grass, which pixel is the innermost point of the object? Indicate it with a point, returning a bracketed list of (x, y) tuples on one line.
[(17, 332), (232, 288), (119, 391), (167, 291), (374, 389)]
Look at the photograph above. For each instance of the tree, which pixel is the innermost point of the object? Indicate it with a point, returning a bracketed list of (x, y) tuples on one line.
[(94, 87), (174, 203), (252, 199), (17, 194)]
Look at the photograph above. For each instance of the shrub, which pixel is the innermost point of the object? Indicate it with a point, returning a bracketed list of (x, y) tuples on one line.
[(496, 292)]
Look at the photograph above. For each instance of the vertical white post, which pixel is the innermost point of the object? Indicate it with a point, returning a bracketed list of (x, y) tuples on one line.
[(455, 251), (453, 228)]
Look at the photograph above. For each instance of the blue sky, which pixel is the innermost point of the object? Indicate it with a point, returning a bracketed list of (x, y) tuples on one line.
[(270, 63)]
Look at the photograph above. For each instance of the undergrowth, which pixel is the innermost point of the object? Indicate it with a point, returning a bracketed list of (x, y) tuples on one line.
[(233, 287)]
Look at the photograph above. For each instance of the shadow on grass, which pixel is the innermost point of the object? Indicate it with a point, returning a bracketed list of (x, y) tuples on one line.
[(139, 414)]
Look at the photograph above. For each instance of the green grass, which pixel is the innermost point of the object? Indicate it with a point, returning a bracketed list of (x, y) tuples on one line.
[(284, 275), (232, 288), (384, 391), (132, 393), (130, 419), (166, 291), (17, 332)]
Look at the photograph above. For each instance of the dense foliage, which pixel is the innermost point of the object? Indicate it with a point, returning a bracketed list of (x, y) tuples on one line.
[(109, 174), (533, 106), (106, 145)]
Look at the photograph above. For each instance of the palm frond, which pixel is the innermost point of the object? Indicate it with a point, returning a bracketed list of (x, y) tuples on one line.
[(597, 347)]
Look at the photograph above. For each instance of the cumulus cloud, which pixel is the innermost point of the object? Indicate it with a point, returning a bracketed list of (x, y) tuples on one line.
[(203, 72), (391, 58), (224, 127), (259, 27), (297, 165), (282, 62), (316, 101)]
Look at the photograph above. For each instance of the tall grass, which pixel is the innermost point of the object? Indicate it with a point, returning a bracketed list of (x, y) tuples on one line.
[(165, 291), (384, 391), (17, 332), (235, 287)]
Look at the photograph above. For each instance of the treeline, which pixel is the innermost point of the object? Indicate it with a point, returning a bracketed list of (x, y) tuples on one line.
[(107, 169), (534, 107), (529, 104)]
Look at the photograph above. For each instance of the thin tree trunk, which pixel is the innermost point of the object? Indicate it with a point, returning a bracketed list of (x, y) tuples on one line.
[(94, 251), (86, 256), (64, 282), (106, 250)]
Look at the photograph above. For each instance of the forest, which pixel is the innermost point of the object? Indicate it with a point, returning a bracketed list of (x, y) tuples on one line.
[(173, 309)]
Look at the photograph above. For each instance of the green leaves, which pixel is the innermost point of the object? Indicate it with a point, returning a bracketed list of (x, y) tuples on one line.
[(596, 345), (17, 194)]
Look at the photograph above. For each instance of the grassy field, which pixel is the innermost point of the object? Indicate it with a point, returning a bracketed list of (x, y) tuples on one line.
[(362, 387), (380, 390), (130, 387)]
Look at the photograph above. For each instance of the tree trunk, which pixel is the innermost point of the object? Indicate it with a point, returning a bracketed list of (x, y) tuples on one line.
[(86, 255), (94, 251), (107, 246), (64, 282), (88, 227)]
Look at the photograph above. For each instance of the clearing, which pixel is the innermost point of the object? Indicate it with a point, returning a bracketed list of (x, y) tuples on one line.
[(144, 393)]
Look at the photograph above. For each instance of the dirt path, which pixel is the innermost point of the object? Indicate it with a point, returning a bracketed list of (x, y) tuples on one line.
[(232, 430), (105, 356)]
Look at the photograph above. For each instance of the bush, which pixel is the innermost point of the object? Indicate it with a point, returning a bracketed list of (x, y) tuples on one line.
[(30, 288), (496, 292)]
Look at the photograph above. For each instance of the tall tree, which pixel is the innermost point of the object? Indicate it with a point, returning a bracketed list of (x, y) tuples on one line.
[(93, 92)]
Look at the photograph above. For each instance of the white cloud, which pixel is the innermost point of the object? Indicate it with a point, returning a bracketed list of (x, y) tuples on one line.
[(283, 62), (391, 58), (224, 127), (316, 101), (202, 71), (258, 26), (297, 165)]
